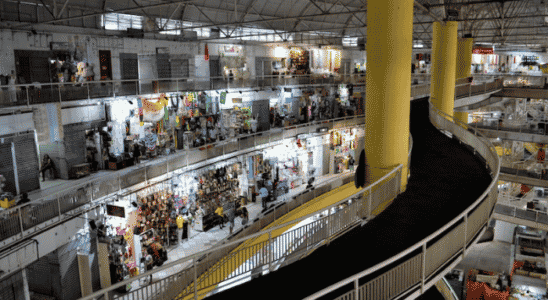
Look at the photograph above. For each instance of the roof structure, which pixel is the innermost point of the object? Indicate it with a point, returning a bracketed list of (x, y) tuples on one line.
[(504, 23)]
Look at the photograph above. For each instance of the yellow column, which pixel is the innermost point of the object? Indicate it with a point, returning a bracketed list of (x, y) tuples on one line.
[(444, 55), (462, 116), (464, 57), (388, 89)]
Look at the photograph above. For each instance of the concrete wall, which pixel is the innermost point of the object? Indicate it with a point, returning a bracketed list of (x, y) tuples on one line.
[(504, 231)]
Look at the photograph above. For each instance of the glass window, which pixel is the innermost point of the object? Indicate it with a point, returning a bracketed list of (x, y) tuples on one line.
[(114, 21)]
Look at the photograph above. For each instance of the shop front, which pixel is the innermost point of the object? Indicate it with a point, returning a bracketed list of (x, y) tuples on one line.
[(345, 145), (484, 60)]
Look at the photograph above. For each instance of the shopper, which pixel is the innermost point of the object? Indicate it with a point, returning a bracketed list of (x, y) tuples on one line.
[(136, 153), (24, 199), (244, 215), (263, 192), (47, 164), (180, 225), (231, 217), (219, 212)]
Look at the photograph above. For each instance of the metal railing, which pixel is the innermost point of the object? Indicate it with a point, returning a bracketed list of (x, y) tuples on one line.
[(40, 93), (368, 200), (20, 222), (425, 268), (521, 213), (171, 286), (446, 290), (508, 205), (14, 226)]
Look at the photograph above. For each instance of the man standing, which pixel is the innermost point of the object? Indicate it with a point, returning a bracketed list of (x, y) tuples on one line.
[(231, 216), (219, 212), (263, 192)]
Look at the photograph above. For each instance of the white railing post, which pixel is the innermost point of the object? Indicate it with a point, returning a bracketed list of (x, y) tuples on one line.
[(28, 100), (59, 208), (470, 90), (465, 234), (270, 250), (369, 208), (423, 267), (20, 220), (195, 280), (356, 289)]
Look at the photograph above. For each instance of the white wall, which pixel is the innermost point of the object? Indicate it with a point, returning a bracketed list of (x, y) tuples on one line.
[(504, 231)]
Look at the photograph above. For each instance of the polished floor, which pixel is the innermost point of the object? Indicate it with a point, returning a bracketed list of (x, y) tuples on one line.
[(445, 179)]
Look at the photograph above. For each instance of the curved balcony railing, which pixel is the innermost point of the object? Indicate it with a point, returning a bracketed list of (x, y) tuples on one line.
[(14, 226), (40, 93), (361, 205), (25, 220), (447, 243)]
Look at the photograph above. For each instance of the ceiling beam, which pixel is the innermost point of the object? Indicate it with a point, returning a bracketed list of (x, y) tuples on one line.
[(123, 10), (62, 9)]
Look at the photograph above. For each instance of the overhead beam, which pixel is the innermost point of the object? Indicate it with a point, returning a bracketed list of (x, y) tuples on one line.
[(50, 12), (63, 9), (100, 13), (431, 14)]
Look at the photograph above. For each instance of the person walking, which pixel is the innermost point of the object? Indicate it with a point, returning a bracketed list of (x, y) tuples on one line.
[(231, 216), (180, 224), (47, 164), (263, 192), (244, 215), (219, 212)]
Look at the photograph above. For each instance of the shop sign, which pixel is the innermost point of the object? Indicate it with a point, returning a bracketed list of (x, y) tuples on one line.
[(483, 50), (59, 46), (236, 100), (116, 211)]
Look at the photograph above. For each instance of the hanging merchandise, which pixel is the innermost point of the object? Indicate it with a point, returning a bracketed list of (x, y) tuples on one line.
[(140, 105), (223, 97), (166, 113), (206, 51)]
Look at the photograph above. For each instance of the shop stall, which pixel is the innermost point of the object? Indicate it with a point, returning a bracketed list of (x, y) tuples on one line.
[(344, 145)]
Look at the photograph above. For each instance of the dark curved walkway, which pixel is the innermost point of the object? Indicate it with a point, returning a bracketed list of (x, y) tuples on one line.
[(446, 178)]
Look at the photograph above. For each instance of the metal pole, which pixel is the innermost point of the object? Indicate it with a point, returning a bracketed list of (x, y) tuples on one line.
[(20, 220), (87, 84), (269, 250), (28, 101), (195, 280), (356, 289), (423, 267)]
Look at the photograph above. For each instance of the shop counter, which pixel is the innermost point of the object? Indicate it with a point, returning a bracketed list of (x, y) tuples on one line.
[(205, 223)]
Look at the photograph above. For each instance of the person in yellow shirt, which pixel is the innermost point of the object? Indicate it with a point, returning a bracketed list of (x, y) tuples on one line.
[(180, 221), (219, 212)]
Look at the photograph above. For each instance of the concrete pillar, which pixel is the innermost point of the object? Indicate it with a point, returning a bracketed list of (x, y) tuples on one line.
[(444, 56), (464, 57), (389, 47)]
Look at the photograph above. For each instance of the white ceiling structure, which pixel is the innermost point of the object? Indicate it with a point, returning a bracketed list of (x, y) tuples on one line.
[(508, 24)]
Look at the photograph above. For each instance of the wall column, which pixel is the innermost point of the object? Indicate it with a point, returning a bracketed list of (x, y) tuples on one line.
[(389, 48), (464, 57), (444, 56)]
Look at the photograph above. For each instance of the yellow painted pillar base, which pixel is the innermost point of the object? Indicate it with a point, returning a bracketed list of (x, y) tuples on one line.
[(444, 55), (388, 89), (461, 116), (464, 57)]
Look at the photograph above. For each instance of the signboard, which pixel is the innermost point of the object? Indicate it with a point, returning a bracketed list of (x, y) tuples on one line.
[(116, 211), (483, 50), (236, 100)]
